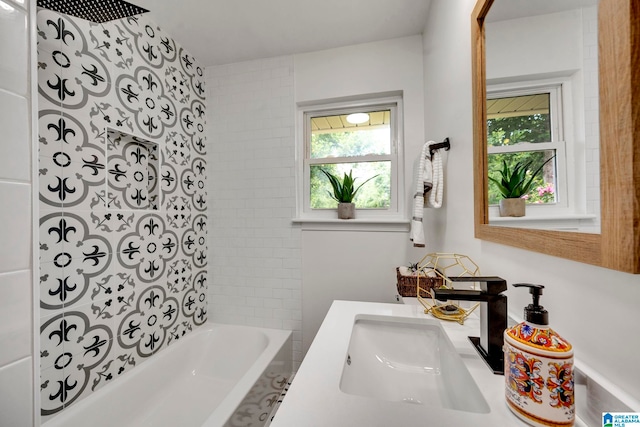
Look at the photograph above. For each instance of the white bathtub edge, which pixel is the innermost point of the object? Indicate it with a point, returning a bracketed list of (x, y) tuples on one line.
[(277, 339)]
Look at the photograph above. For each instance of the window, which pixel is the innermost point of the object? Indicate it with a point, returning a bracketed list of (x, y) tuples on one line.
[(362, 138), (525, 125)]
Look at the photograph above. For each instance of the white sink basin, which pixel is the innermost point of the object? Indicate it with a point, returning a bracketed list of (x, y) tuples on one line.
[(408, 360)]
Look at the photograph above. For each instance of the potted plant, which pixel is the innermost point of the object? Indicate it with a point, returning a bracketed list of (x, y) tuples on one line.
[(513, 184), (344, 192)]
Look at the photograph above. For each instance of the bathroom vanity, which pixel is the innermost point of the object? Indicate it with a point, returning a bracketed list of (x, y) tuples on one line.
[(427, 372)]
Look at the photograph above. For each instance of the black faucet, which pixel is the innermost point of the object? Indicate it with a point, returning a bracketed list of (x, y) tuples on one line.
[(493, 315)]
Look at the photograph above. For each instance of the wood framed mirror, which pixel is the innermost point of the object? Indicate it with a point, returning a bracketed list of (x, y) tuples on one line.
[(618, 244)]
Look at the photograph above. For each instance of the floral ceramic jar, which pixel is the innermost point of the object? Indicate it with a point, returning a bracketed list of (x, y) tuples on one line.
[(539, 375)]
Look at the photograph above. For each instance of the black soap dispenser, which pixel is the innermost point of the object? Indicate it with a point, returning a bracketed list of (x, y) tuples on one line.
[(538, 368)]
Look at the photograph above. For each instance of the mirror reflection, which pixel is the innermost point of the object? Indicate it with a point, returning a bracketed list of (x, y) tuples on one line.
[(542, 113)]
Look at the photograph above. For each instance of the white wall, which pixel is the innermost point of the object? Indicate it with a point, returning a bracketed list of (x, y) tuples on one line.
[(254, 251), (360, 265), (16, 261), (518, 47), (594, 308)]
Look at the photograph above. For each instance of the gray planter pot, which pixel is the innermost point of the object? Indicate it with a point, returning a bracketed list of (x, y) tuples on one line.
[(346, 210), (512, 207)]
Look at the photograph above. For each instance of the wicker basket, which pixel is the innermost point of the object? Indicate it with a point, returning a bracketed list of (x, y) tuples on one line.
[(407, 285)]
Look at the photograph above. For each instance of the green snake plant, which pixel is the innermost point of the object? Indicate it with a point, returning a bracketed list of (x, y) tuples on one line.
[(514, 183), (344, 191)]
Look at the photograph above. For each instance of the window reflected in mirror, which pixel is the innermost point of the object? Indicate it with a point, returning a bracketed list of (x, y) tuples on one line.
[(520, 132)]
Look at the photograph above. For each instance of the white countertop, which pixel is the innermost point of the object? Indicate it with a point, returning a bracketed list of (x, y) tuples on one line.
[(315, 398)]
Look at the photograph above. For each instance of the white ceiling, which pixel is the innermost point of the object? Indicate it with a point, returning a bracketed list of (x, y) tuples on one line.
[(226, 31)]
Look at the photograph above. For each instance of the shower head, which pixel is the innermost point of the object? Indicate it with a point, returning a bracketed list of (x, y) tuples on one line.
[(93, 10)]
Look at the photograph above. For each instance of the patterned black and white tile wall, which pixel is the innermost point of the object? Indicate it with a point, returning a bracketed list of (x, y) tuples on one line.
[(123, 236)]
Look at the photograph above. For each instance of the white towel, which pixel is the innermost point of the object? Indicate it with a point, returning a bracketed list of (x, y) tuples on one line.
[(429, 187), (437, 187)]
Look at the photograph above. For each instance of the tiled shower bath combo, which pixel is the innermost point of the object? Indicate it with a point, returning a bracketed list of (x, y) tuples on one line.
[(123, 220)]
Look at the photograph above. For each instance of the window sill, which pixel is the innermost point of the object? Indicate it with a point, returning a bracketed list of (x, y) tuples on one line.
[(357, 224), (587, 223)]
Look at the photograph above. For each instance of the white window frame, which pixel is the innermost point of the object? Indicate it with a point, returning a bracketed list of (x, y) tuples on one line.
[(396, 211), (562, 141)]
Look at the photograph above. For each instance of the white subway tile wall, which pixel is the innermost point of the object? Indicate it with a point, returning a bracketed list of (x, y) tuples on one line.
[(254, 250), (16, 328), (16, 385), (591, 113), (16, 301), (14, 48), (15, 228), (15, 109)]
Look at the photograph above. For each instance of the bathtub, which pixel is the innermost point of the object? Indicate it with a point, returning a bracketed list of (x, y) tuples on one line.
[(218, 375)]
